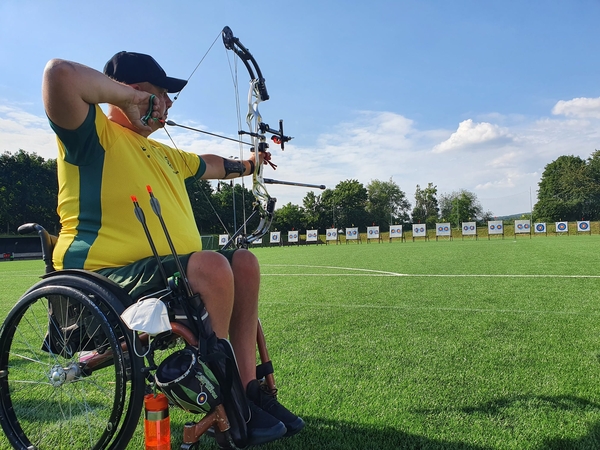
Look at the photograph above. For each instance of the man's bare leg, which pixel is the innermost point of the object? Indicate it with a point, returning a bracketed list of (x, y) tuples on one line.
[(244, 318), (210, 275)]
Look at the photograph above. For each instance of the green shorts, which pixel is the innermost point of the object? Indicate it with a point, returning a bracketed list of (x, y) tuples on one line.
[(144, 277)]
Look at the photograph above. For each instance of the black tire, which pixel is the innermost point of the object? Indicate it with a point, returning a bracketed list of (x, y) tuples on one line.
[(48, 399), (112, 301)]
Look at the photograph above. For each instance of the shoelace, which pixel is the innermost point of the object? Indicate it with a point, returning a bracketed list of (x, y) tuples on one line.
[(271, 393)]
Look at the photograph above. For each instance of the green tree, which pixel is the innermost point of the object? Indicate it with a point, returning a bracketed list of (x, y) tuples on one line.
[(386, 203), (347, 203), (462, 206), (289, 217), (569, 189), (426, 208), (200, 193), (315, 214), (28, 191), (224, 211), (593, 195), (327, 210)]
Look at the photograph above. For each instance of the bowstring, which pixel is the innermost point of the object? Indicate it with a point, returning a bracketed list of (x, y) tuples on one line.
[(234, 75), (197, 183), (233, 71), (196, 68)]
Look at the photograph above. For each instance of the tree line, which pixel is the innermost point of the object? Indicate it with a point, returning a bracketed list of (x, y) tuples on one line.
[(569, 189)]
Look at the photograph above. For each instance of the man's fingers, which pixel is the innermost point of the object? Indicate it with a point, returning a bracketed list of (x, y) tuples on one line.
[(150, 111)]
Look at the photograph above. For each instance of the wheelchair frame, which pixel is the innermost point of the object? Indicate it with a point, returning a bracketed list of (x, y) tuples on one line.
[(102, 301)]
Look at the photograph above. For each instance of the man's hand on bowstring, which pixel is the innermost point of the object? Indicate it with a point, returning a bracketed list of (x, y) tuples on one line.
[(143, 110)]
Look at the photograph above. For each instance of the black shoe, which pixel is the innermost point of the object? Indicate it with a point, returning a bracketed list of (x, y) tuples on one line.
[(263, 427), (266, 399)]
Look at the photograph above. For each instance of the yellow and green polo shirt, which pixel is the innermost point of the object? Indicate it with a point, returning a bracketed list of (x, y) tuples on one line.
[(101, 165)]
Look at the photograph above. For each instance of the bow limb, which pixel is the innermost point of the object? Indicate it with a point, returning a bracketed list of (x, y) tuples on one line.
[(264, 204)]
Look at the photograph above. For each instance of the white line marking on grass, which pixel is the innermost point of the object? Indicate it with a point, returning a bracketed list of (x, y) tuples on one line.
[(383, 273), (439, 308)]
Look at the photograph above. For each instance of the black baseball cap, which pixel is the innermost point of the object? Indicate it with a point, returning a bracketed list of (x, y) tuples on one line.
[(131, 68)]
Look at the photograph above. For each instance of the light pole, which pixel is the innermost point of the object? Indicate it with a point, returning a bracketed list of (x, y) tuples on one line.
[(233, 190), (333, 214)]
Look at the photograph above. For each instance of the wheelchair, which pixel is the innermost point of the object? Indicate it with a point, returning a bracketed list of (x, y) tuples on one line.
[(71, 370)]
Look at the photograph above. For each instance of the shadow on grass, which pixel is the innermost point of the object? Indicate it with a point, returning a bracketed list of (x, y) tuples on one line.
[(589, 441), (326, 434), (332, 435), (565, 403), (559, 402)]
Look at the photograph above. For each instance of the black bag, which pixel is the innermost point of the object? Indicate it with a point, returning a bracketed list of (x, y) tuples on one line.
[(222, 362), (71, 330), (217, 354), (188, 382)]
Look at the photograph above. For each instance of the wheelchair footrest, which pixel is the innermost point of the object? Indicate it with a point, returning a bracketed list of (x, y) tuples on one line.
[(264, 369)]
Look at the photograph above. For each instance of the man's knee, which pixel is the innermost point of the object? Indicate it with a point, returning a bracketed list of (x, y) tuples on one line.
[(244, 260), (209, 265), (244, 257)]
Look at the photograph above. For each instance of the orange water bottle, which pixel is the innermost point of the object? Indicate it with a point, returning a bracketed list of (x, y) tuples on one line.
[(157, 426)]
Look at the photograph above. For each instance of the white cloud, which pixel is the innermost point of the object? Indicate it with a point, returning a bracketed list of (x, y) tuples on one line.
[(384, 145), (20, 130), (470, 134), (578, 107), (372, 128)]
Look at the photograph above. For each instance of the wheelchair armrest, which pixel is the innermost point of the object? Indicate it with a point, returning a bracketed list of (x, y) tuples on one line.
[(47, 240)]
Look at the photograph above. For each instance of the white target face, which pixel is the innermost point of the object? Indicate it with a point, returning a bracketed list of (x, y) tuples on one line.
[(419, 230), (442, 229)]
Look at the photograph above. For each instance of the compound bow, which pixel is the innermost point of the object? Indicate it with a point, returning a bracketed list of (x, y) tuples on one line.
[(264, 204)]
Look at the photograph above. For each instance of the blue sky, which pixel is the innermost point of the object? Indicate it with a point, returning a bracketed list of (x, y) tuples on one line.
[(464, 94)]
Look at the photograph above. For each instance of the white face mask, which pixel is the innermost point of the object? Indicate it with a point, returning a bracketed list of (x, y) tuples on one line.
[(149, 316)]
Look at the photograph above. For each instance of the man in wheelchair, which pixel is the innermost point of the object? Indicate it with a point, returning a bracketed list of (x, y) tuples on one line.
[(106, 158)]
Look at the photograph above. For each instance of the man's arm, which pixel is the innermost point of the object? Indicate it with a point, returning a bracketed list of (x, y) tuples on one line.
[(218, 168), (68, 88)]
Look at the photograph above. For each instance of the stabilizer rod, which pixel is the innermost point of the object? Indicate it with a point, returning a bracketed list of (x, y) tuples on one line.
[(292, 183)]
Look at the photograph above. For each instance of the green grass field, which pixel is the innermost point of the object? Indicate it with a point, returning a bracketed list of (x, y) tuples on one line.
[(426, 345)]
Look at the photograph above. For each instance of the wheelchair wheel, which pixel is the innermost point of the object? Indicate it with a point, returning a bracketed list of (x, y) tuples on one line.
[(112, 301), (65, 379)]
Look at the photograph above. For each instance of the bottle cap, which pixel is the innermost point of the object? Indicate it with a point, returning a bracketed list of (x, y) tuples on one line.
[(158, 403)]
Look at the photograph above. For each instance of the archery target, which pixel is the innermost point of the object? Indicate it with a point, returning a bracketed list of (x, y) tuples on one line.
[(312, 235), (442, 229), (372, 232), (352, 233), (292, 236), (583, 225), (419, 230), (562, 227), (331, 234), (275, 237), (396, 231), (469, 228), (495, 227), (522, 226), (223, 238)]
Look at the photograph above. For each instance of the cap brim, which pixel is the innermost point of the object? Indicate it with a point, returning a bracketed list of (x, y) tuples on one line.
[(174, 85)]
